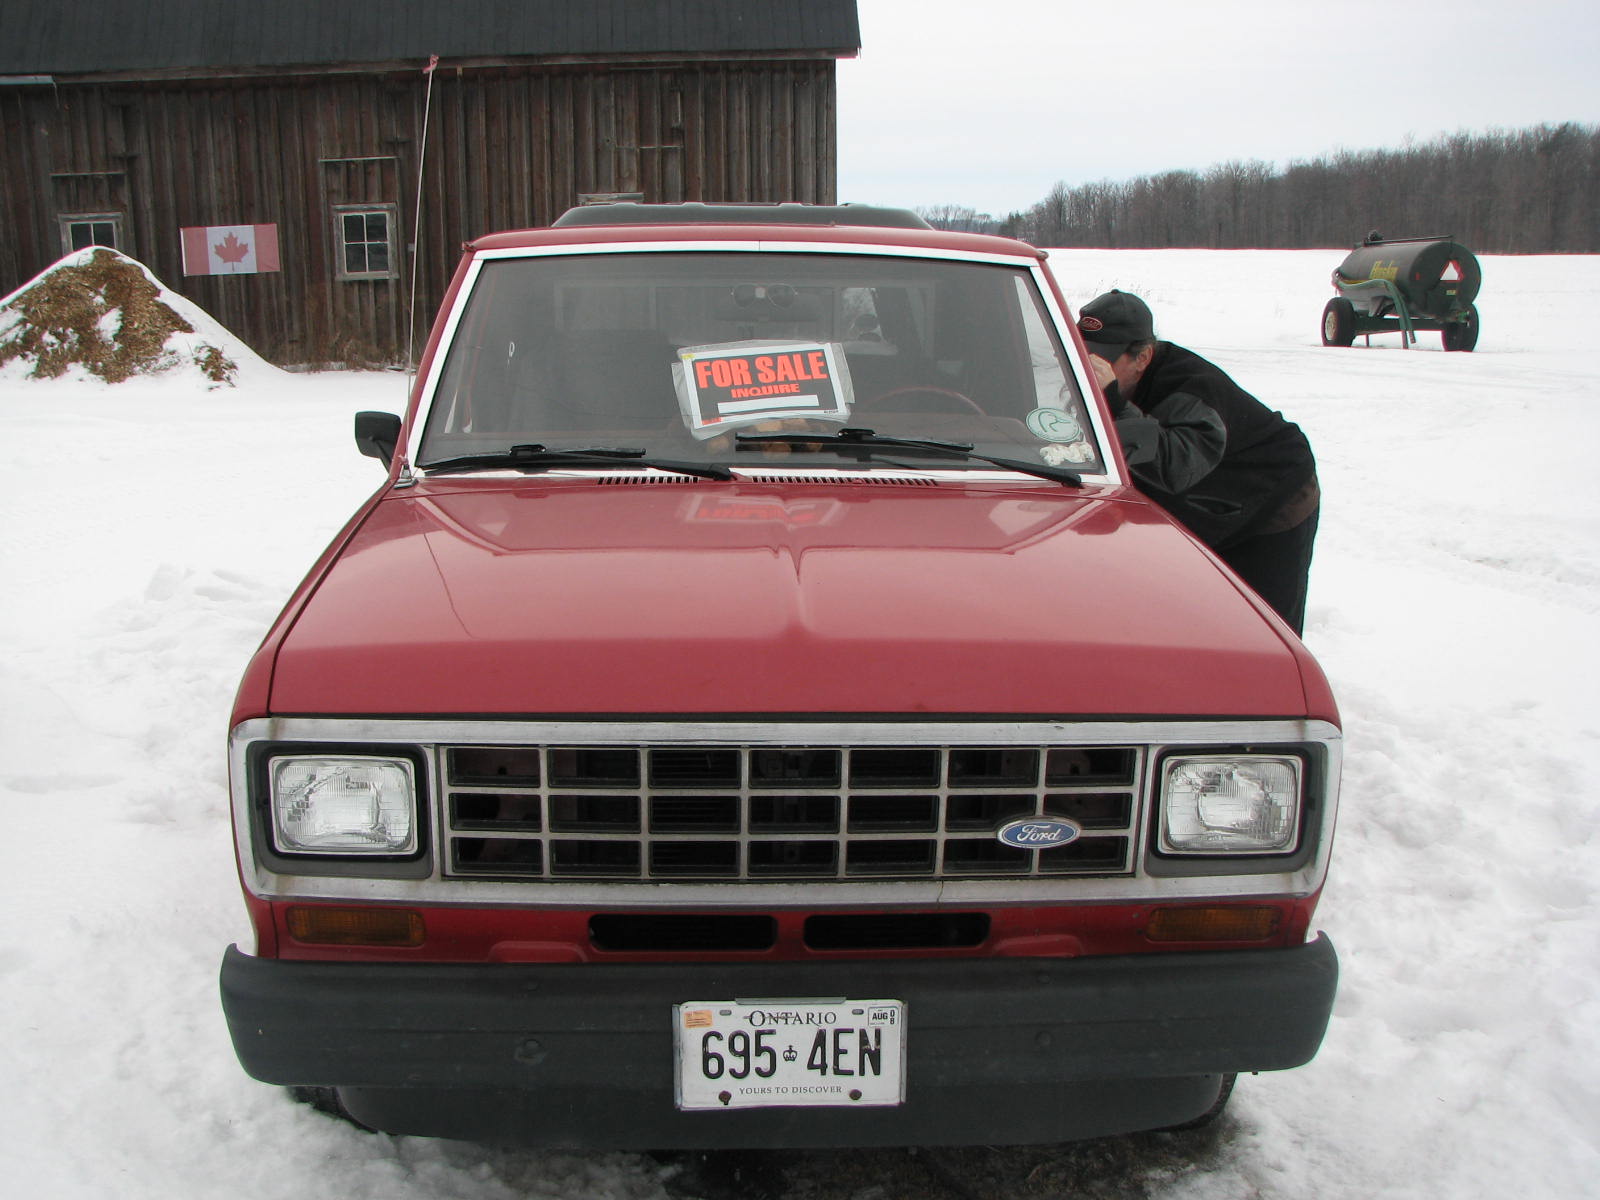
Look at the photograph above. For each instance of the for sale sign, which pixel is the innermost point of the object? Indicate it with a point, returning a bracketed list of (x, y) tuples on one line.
[(229, 249), (738, 384)]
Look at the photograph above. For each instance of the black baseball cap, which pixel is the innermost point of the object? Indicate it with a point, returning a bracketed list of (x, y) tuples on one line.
[(1114, 321)]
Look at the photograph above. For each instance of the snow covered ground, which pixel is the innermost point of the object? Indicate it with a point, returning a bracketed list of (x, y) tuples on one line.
[(151, 529)]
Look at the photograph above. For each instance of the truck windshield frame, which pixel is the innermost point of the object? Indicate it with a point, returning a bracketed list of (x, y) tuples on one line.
[(677, 351)]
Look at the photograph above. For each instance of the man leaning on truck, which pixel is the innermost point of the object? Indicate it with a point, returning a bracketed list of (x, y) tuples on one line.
[(1236, 473)]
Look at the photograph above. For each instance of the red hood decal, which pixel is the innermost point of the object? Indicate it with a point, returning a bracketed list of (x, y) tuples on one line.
[(549, 597)]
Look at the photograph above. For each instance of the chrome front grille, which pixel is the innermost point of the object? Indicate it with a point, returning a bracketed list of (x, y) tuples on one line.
[(686, 812)]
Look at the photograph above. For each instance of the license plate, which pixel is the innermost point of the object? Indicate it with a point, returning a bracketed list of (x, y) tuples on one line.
[(790, 1053)]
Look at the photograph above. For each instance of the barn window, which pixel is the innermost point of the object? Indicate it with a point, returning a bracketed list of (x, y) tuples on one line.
[(81, 230), (364, 241)]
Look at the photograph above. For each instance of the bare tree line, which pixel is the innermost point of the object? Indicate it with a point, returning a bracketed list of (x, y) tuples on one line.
[(1528, 191)]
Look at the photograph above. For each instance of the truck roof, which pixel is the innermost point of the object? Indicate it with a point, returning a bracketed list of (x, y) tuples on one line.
[(855, 224), (780, 213)]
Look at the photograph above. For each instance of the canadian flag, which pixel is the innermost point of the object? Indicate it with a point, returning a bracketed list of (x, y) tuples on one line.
[(229, 249)]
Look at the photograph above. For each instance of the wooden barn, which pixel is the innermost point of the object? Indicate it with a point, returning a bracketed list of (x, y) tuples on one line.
[(263, 159)]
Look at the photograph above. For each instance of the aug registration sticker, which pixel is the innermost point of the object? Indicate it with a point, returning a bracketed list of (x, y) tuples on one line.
[(790, 1053), (736, 384)]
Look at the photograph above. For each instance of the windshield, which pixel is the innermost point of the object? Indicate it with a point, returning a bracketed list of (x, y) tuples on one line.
[(677, 353)]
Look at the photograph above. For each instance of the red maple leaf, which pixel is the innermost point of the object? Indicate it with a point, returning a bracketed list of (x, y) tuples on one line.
[(231, 249)]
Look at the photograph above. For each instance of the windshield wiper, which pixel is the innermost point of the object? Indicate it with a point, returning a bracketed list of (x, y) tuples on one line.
[(862, 443), (535, 457)]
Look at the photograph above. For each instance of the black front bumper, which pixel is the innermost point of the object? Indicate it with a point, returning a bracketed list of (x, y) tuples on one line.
[(1001, 1051)]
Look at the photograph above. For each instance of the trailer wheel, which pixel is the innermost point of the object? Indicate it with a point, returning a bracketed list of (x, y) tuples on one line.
[(1462, 335), (1338, 322)]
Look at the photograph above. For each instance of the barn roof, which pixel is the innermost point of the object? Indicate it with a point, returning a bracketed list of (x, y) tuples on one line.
[(180, 37)]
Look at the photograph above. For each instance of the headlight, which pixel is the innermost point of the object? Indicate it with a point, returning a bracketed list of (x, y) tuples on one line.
[(1230, 804), (343, 805)]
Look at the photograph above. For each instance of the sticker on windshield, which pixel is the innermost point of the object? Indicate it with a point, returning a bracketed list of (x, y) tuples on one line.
[(736, 384), (1055, 425)]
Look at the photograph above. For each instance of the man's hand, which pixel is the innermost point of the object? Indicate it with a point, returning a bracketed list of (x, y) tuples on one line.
[(1103, 374)]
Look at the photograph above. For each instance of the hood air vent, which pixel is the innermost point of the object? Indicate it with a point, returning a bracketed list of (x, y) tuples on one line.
[(628, 480), (835, 480)]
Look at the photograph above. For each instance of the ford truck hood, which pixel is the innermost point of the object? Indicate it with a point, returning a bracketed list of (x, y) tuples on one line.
[(575, 596)]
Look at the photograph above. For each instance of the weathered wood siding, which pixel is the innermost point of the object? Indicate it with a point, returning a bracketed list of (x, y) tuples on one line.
[(507, 148)]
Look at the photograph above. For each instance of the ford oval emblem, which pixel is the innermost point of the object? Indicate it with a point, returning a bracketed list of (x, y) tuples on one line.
[(1040, 833)]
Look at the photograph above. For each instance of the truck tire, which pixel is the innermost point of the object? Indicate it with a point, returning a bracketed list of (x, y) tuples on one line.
[(325, 1100), (1224, 1091), (1462, 335), (1338, 322)]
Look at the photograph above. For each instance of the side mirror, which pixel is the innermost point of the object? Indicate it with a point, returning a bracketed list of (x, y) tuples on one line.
[(378, 434)]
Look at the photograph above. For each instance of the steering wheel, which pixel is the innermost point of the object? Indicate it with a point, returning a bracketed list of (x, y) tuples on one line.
[(942, 400)]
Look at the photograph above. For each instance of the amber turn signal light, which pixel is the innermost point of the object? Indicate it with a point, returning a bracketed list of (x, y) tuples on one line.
[(355, 926), (1231, 923)]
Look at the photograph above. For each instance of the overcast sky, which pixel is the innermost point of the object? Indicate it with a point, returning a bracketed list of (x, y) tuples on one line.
[(987, 103)]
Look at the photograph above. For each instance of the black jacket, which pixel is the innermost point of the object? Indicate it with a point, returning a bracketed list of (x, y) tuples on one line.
[(1208, 451)]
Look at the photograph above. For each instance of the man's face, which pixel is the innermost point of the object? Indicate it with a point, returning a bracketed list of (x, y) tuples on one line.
[(1129, 368)]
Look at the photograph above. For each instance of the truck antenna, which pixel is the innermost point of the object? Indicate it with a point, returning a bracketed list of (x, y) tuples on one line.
[(416, 227)]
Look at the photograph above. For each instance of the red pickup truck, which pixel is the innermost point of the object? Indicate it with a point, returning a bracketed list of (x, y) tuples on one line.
[(758, 710)]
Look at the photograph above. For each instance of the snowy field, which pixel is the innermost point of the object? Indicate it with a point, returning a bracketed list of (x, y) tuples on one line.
[(151, 529)]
